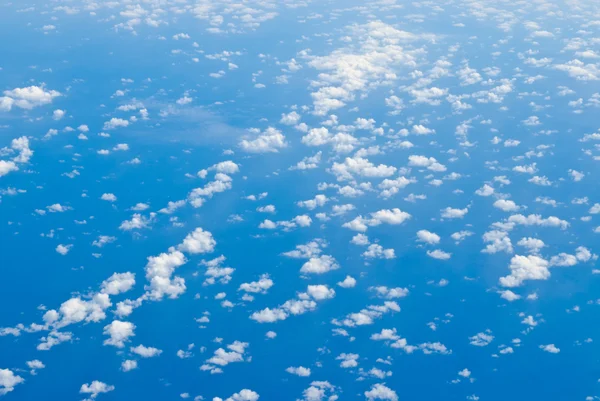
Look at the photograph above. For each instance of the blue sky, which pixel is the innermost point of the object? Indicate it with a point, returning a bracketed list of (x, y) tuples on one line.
[(283, 200)]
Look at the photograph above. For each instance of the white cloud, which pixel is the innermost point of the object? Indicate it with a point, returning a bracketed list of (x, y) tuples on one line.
[(299, 371), (451, 213), (320, 265), (551, 348), (270, 140), (119, 333), (428, 237), (198, 241), (114, 123), (376, 251), (381, 392), (439, 254), (27, 98), (118, 283), (506, 205), (95, 388), (8, 381), (137, 222), (320, 292), (524, 268), (428, 162), (146, 352), (109, 197), (348, 282), (129, 364)]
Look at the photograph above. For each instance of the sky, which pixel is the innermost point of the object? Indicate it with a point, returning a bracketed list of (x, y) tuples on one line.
[(299, 200)]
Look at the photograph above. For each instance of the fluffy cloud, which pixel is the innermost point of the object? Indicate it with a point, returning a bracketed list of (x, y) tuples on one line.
[(524, 268), (119, 333), (381, 392), (270, 140), (8, 381), (95, 388), (27, 98)]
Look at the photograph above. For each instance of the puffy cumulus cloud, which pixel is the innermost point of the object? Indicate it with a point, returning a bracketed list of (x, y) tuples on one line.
[(305, 303), (76, 310), (53, 338), (506, 205), (368, 315), (221, 183), (227, 167), (95, 388), (58, 208), (243, 395), (35, 364), (291, 118), (430, 163), (118, 283), (235, 353), (390, 293), (533, 245), (361, 167), (261, 286), (63, 249), (348, 71), (524, 268), (481, 339), (58, 114), (376, 251), (509, 295), (109, 197), (299, 371), (269, 315), (119, 333), (551, 348), (439, 254), (198, 241), (391, 187), (298, 221), (320, 292), (318, 391), (138, 222), (270, 140), (428, 237), (128, 365), (434, 348), (381, 392), (579, 70), (21, 145), (8, 381), (7, 167), (307, 251), (103, 240), (341, 142), (348, 282), (431, 96), (159, 272), (27, 98), (115, 123), (311, 204), (388, 216), (538, 220), (498, 241), (348, 360), (320, 265), (452, 213), (308, 163), (146, 352), (24, 153), (215, 271)]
